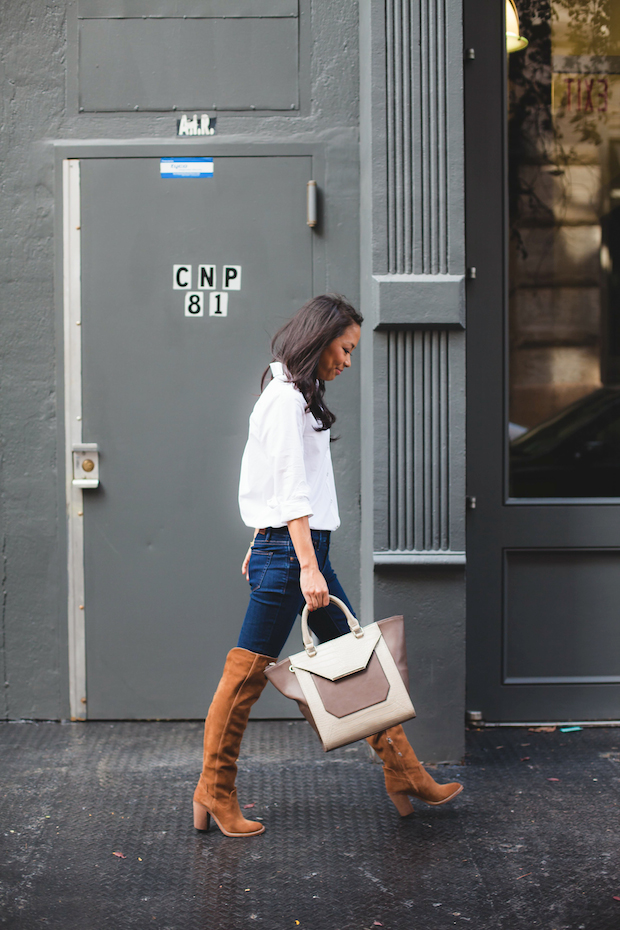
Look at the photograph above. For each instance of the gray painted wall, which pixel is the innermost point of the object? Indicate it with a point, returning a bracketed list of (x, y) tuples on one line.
[(411, 196), (39, 106), (413, 266), (433, 599)]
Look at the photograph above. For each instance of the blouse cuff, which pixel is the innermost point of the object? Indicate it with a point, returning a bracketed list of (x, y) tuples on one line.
[(292, 511)]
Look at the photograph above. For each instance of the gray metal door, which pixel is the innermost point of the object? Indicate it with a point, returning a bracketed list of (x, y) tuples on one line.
[(543, 543), (183, 282)]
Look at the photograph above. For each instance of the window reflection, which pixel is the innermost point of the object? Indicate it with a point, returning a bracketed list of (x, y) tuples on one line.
[(564, 257)]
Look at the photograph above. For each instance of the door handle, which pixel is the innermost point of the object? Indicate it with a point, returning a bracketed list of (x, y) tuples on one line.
[(85, 465), (311, 204)]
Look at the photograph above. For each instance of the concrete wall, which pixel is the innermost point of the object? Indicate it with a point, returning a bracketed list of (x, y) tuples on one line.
[(39, 106)]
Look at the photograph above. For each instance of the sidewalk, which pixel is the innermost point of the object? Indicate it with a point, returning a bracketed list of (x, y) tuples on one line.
[(532, 842)]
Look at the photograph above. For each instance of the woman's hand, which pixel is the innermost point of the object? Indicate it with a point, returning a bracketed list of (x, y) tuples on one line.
[(246, 562), (314, 588), (313, 585)]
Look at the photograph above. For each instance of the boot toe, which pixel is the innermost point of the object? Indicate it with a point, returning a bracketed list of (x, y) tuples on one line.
[(445, 793)]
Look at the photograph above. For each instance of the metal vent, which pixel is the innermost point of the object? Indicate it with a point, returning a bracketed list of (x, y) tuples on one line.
[(417, 150), (418, 425)]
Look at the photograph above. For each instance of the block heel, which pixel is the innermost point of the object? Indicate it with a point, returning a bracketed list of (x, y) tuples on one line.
[(202, 817), (401, 802)]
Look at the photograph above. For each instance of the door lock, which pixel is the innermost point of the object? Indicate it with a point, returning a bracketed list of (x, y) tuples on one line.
[(85, 465)]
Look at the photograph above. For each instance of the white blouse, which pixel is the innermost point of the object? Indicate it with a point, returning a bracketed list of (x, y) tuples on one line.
[(286, 469)]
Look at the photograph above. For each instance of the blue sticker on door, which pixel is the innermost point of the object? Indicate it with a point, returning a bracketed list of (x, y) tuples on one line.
[(186, 167)]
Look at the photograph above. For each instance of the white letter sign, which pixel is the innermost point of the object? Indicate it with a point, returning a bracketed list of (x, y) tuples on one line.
[(207, 276), (231, 277), (182, 277), (218, 304), (194, 305)]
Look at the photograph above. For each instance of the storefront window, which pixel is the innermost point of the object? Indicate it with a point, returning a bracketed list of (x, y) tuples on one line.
[(564, 251)]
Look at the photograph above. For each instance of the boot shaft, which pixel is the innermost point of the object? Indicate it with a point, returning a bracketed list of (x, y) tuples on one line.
[(242, 682)]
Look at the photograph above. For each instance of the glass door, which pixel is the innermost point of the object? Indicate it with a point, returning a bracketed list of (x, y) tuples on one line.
[(564, 251), (543, 330)]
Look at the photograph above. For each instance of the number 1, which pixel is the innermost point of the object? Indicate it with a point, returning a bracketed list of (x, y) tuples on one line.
[(218, 304)]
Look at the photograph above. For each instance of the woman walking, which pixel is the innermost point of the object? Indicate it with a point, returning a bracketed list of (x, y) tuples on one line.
[(287, 494)]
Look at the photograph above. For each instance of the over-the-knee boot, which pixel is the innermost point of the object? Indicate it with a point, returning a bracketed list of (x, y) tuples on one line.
[(240, 686), (404, 774)]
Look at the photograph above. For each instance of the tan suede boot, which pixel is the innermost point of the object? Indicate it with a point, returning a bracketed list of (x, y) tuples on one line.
[(240, 686), (405, 776)]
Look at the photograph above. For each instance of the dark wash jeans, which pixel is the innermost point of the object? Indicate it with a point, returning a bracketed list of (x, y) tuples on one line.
[(276, 597)]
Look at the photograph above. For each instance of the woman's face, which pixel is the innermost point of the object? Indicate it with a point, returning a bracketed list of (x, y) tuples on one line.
[(337, 355)]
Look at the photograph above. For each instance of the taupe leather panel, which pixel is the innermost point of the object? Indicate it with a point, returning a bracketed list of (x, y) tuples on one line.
[(393, 632), (286, 682), (355, 692)]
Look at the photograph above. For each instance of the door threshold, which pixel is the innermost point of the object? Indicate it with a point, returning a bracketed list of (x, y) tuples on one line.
[(478, 724)]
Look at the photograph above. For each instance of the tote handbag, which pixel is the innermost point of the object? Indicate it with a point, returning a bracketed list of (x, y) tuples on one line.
[(350, 687)]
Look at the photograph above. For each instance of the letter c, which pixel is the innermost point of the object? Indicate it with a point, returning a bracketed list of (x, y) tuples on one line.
[(180, 270)]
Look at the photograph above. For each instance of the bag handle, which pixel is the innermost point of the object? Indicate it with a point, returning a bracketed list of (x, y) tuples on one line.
[(305, 632)]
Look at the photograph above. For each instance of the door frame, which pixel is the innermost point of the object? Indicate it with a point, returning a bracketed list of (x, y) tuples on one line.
[(484, 80), (508, 524), (67, 290)]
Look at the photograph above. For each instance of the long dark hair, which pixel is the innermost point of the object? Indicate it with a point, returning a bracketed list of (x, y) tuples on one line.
[(299, 344)]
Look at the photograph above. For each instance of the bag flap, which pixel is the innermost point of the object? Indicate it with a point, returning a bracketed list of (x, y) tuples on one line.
[(341, 656)]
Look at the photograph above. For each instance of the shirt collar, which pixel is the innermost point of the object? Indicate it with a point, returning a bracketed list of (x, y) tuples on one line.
[(279, 371)]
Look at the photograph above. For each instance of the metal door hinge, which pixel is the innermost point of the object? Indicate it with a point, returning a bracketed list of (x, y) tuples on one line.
[(470, 503), (470, 54), (471, 272)]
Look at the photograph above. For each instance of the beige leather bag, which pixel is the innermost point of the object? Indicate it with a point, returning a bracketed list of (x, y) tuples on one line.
[(350, 687)]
